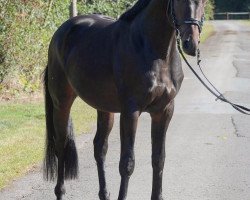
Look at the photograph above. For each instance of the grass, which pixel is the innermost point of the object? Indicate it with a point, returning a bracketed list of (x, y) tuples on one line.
[(208, 30), (23, 134), (245, 22)]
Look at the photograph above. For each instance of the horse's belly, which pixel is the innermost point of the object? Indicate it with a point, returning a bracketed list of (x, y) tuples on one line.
[(99, 94)]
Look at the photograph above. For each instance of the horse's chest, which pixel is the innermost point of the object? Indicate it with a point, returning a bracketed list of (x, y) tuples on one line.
[(160, 92)]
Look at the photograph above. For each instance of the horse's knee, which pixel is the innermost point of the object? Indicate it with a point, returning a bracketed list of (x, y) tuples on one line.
[(100, 151), (99, 157), (127, 165), (158, 162)]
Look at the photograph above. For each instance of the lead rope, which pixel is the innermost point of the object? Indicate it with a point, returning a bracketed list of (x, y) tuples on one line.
[(212, 90)]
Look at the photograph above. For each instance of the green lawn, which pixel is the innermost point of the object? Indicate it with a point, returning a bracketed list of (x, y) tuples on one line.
[(246, 22), (23, 134), (207, 31)]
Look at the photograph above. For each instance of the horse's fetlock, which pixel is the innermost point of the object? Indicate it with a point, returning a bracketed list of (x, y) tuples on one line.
[(104, 195), (60, 190)]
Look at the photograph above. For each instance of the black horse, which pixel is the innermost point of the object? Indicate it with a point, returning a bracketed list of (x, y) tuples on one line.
[(129, 66)]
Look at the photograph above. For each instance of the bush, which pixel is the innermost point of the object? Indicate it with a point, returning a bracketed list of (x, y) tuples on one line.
[(109, 7), (209, 10), (25, 31), (23, 39)]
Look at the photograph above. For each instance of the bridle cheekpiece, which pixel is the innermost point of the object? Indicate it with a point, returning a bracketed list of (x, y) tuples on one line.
[(192, 21)]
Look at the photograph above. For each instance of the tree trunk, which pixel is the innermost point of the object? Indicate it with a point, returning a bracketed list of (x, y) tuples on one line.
[(73, 8)]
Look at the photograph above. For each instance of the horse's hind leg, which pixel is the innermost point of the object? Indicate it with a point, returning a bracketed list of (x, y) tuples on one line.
[(160, 122), (60, 97), (104, 126), (63, 144)]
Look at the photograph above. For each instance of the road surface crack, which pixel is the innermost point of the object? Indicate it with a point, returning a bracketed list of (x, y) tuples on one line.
[(236, 68), (236, 130)]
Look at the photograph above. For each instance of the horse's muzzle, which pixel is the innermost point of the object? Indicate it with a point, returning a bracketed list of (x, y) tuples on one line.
[(190, 46), (190, 37)]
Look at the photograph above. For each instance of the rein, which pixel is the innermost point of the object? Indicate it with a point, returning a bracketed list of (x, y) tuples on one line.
[(212, 89)]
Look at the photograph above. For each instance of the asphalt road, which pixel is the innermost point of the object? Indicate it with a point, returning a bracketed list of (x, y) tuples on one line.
[(208, 143)]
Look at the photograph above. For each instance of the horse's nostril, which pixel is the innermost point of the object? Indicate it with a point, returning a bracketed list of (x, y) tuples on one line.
[(186, 44), (189, 47)]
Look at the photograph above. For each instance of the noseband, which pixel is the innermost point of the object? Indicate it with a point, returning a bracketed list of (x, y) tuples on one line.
[(192, 21)]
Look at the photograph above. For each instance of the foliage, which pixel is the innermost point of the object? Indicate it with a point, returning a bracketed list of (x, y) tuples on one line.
[(209, 10), (24, 37), (232, 5), (25, 31), (208, 30), (109, 7), (22, 135)]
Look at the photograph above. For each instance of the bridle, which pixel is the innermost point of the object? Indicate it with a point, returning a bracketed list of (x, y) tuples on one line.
[(177, 23), (207, 84)]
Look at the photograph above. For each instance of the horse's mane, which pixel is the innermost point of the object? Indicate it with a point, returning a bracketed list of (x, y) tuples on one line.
[(135, 10)]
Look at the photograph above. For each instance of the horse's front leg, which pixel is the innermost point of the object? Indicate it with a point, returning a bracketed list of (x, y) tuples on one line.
[(160, 122), (104, 125), (128, 125)]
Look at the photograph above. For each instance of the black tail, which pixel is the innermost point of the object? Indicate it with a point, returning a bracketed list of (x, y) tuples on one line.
[(50, 160), (70, 153)]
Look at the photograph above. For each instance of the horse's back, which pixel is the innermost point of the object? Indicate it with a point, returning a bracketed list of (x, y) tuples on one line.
[(78, 32)]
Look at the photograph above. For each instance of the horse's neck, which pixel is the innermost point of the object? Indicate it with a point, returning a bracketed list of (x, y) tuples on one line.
[(157, 26), (158, 7), (135, 10)]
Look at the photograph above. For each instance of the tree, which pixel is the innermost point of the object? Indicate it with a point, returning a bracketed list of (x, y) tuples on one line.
[(232, 5), (73, 8)]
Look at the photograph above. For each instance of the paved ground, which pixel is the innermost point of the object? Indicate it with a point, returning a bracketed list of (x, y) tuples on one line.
[(208, 143)]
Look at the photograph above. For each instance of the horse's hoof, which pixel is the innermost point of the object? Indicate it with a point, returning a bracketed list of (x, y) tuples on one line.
[(104, 195), (157, 198), (59, 197)]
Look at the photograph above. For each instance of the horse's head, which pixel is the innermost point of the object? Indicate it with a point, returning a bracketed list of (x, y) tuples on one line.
[(188, 16)]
